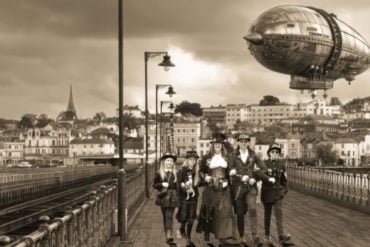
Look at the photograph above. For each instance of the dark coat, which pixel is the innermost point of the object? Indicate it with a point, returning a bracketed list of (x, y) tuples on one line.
[(254, 167), (271, 193), (167, 197), (183, 177)]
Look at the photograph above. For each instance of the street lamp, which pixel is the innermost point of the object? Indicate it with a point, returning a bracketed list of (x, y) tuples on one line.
[(170, 92), (166, 63), (171, 107)]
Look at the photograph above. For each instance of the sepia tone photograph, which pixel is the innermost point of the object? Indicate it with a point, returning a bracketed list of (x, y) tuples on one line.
[(193, 123)]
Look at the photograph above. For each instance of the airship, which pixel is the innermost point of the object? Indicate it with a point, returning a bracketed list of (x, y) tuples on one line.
[(311, 45)]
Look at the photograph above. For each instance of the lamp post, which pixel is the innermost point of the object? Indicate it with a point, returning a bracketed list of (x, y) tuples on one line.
[(171, 107), (122, 204), (166, 63), (170, 92)]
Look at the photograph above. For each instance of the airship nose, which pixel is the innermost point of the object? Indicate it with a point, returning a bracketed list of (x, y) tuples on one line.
[(254, 38)]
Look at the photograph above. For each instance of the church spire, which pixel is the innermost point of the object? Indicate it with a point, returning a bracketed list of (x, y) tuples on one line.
[(70, 113), (71, 106)]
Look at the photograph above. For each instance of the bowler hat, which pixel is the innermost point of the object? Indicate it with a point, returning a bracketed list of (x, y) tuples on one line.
[(243, 137), (169, 155), (274, 146), (191, 154), (218, 137)]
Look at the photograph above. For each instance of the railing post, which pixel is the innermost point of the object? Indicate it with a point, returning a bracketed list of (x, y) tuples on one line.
[(5, 240), (122, 205)]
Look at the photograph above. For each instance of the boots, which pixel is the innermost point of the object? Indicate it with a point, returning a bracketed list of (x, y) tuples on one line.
[(284, 238), (257, 241), (267, 241), (169, 239)]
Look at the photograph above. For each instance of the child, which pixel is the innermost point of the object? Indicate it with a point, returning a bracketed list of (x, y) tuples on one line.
[(165, 181), (188, 177)]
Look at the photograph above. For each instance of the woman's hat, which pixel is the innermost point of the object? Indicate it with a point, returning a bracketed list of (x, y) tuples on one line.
[(169, 155), (218, 137), (243, 137), (274, 146), (191, 154)]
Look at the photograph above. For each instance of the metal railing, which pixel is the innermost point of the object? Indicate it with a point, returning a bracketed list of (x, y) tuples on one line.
[(88, 225), (347, 189), (16, 188)]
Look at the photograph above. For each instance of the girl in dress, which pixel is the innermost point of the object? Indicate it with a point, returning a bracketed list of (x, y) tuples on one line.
[(188, 177), (165, 181)]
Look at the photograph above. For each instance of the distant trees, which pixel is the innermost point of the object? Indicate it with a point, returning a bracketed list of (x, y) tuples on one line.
[(186, 107), (356, 104), (32, 120), (326, 154), (99, 116), (335, 101), (269, 100), (27, 121)]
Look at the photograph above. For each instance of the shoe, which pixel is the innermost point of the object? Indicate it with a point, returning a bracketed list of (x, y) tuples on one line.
[(169, 241), (257, 241), (284, 238), (206, 237)]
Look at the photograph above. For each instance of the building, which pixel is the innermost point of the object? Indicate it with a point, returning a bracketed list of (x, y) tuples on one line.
[(186, 135), (133, 111), (315, 123), (348, 150), (48, 143), (81, 148), (12, 152), (235, 113), (216, 114)]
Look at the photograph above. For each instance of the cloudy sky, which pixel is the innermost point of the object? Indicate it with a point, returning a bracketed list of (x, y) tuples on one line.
[(48, 45)]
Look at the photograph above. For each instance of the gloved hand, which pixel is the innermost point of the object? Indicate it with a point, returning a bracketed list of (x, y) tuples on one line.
[(252, 181), (232, 172), (224, 184), (182, 185), (208, 179), (272, 180), (245, 178), (165, 184)]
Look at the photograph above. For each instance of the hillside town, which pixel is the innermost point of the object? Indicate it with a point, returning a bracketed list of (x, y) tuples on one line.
[(312, 133)]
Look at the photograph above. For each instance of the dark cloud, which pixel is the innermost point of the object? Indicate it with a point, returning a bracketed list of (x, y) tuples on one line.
[(48, 45)]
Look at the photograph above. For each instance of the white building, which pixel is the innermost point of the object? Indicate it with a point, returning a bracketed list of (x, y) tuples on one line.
[(203, 146), (235, 112), (348, 150), (133, 111), (12, 152), (46, 143), (91, 147)]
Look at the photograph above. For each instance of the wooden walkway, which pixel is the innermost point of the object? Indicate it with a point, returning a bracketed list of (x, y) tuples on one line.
[(310, 221)]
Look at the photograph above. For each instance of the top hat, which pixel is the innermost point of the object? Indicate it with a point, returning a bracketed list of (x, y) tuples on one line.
[(191, 154), (169, 155), (274, 146), (218, 137), (243, 137)]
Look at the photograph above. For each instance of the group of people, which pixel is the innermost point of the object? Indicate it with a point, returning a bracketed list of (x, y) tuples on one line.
[(233, 182)]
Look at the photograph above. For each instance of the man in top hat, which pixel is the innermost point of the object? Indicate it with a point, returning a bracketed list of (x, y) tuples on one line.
[(246, 168), (272, 194)]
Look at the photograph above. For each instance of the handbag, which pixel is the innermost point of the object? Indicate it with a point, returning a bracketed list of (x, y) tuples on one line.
[(162, 194)]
